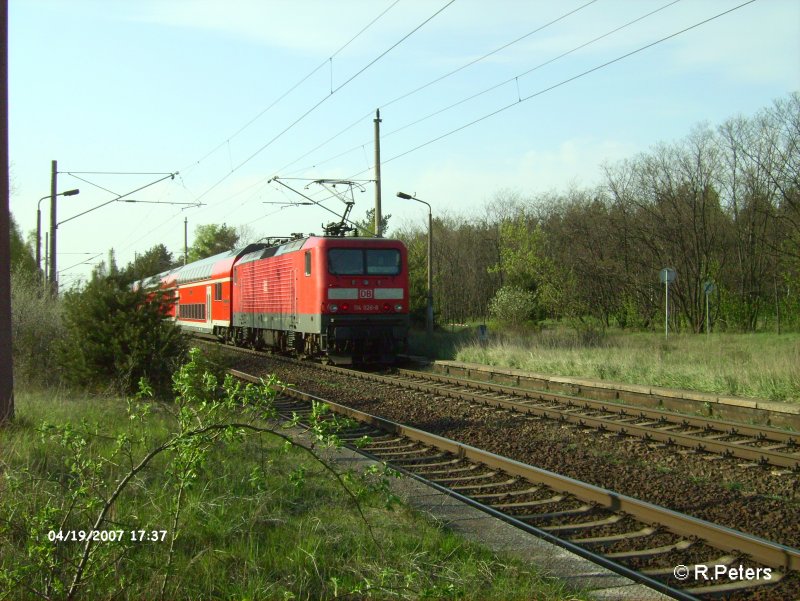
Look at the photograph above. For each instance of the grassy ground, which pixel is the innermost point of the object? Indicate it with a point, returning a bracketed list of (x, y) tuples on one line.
[(765, 366), (259, 522)]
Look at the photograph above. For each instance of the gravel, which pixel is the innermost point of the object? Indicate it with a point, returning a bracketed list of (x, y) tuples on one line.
[(759, 500)]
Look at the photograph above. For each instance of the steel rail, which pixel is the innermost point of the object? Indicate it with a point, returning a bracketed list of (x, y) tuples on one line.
[(786, 437), (449, 446), (742, 451), (766, 552), (649, 432), (740, 410)]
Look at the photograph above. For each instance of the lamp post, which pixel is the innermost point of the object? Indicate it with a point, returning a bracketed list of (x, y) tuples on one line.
[(39, 224), (429, 312)]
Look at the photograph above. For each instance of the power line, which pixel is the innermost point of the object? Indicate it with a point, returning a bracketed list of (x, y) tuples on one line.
[(561, 83), (437, 80), (488, 54), (333, 91), (60, 271), (119, 197), (485, 90), (90, 183), (116, 172), (327, 61), (207, 191)]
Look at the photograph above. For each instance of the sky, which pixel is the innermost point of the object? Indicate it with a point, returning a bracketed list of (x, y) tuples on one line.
[(476, 99)]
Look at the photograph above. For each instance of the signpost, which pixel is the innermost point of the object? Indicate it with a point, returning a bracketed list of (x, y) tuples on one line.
[(708, 288), (667, 276)]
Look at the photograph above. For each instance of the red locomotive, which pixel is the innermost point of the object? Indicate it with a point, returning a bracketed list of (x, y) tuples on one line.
[(341, 298)]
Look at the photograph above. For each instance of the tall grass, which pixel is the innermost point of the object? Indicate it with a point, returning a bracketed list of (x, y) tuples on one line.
[(250, 529), (763, 366), (35, 327)]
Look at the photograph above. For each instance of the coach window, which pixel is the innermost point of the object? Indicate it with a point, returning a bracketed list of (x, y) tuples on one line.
[(308, 262), (218, 292)]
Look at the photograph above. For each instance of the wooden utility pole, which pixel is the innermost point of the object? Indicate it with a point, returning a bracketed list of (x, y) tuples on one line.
[(6, 362), (53, 227), (377, 173)]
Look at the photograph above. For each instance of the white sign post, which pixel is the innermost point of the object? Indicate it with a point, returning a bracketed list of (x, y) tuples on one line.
[(667, 276)]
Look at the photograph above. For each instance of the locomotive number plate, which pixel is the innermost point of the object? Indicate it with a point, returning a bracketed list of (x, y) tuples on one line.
[(366, 307)]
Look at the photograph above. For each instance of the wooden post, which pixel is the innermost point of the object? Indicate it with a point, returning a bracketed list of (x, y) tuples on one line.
[(6, 362)]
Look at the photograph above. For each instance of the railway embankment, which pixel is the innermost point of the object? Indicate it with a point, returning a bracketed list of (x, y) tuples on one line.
[(761, 500), (725, 407)]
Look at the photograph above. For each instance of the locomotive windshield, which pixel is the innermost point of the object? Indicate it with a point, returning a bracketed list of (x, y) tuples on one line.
[(358, 261)]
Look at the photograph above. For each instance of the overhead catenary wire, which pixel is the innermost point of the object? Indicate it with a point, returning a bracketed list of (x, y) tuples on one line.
[(324, 99), (482, 92), (118, 197), (319, 204), (520, 99), (208, 190), (327, 61), (89, 260), (559, 84), (437, 80)]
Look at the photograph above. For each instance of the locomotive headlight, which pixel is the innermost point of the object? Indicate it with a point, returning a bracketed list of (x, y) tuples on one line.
[(333, 308), (398, 307)]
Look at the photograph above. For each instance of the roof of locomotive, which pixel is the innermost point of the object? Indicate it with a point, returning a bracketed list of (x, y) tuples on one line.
[(312, 242)]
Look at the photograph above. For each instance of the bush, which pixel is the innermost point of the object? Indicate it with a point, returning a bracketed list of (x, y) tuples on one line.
[(117, 335), (35, 326), (512, 305)]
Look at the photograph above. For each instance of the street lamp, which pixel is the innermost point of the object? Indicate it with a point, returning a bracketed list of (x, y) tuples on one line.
[(39, 224), (429, 312)]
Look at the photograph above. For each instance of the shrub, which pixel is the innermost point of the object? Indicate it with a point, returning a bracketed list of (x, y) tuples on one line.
[(117, 335), (512, 305), (35, 326)]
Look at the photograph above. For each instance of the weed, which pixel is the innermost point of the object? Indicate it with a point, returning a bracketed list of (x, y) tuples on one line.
[(753, 365), (245, 513)]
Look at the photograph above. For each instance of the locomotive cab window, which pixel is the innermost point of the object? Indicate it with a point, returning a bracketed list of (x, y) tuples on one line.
[(308, 262), (346, 261), (357, 261), (383, 262)]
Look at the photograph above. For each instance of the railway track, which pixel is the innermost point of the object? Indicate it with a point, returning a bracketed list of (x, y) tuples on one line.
[(753, 443), (647, 543), (759, 444), (722, 407)]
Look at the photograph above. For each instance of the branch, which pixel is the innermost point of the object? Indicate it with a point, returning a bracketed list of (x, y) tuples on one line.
[(76, 581)]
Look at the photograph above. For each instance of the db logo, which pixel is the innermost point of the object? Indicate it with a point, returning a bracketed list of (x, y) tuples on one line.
[(365, 293)]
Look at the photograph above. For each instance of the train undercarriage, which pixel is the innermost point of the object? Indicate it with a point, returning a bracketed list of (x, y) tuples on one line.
[(341, 344)]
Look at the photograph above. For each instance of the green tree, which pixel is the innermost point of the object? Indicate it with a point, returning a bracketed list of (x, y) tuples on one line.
[(119, 335), (22, 255), (155, 260), (365, 227), (525, 264), (521, 250), (212, 239)]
